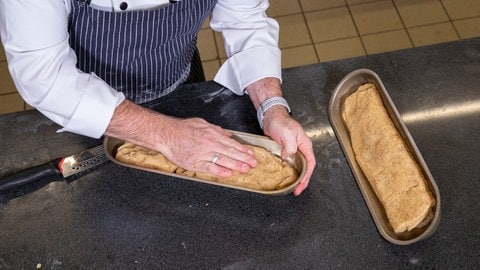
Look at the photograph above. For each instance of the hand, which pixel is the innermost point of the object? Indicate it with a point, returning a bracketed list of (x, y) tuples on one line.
[(289, 133), (196, 145), (190, 143), (278, 124)]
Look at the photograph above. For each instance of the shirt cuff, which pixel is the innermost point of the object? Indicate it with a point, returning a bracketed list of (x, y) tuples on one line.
[(95, 109), (249, 66)]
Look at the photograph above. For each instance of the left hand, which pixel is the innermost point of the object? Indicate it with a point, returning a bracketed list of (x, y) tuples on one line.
[(289, 133), (282, 128)]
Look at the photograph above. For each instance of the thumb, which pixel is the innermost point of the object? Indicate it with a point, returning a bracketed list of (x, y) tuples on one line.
[(289, 148)]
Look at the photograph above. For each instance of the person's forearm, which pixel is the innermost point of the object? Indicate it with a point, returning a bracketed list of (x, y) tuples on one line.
[(263, 89), (138, 125), (190, 143)]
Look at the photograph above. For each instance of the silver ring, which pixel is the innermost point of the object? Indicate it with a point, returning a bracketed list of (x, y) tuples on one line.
[(215, 158)]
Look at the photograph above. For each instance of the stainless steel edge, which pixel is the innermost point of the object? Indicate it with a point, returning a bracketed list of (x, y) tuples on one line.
[(83, 161), (345, 87), (297, 161)]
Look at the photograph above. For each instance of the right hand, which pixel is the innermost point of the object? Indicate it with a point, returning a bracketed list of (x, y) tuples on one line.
[(190, 143), (193, 143)]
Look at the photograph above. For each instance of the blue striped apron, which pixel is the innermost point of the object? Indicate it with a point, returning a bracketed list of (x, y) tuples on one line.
[(145, 54)]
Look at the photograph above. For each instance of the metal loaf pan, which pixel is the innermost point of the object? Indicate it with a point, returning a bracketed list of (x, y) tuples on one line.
[(347, 86), (297, 161)]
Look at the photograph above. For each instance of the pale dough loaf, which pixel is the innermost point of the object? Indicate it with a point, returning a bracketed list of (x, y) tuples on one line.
[(386, 160), (271, 172)]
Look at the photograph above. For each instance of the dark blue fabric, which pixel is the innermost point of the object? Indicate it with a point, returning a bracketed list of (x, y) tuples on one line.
[(141, 53)]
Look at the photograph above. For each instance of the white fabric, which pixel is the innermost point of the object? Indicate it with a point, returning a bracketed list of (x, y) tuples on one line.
[(42, 64), (251, 43), (114, 5)]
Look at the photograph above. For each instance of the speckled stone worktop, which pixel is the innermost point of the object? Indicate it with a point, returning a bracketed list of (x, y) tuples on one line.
[(120, 218)]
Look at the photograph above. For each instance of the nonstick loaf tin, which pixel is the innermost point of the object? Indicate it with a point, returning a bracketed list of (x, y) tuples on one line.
[(297, 161), (345, 87)]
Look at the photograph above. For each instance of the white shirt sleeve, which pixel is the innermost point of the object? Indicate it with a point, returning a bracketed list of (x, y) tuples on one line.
[(251, 43), (43, 67)]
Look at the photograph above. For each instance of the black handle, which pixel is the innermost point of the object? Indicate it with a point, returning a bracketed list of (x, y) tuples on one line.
[(30, 175)]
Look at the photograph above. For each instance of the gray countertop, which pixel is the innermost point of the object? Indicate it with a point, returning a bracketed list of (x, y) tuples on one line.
[(120, 218)]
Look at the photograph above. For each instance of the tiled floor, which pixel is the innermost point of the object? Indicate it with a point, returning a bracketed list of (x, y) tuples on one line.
[(314, 31)]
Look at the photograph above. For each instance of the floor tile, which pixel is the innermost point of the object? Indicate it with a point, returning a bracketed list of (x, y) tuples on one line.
[(6, 83), (293, 31), (376, 17), (340, 49), (206, 23), (2, 53), (386, 41), (210, 68), (468, 28), (315, 31), (431, 34), (330, 24), (220, 45), (311, 5), (298, 56), (459, 9), (421, 12), (283, 7), (206, 45), (354, 2), (11, 103)]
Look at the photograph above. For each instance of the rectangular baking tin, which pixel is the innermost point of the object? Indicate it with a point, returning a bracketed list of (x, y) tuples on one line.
[(347, 86), (297, 161)]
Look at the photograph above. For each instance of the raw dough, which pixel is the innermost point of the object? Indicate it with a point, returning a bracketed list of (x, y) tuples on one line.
[(386, 160), (271, 172)]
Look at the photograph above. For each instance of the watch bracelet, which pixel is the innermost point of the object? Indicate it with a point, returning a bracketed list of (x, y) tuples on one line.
[(269, 103)]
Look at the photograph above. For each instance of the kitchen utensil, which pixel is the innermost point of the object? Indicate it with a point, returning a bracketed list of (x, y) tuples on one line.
[(65, 167)]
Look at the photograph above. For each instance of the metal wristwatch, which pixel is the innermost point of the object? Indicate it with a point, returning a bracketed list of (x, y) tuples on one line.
[(269, 103)]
